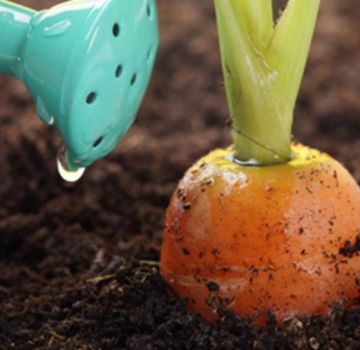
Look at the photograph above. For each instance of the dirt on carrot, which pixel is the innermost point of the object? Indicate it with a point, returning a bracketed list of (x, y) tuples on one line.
[(79, 264), (351, 249)]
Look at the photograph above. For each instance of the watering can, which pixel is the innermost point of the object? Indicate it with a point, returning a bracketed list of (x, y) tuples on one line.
[(87, 64)]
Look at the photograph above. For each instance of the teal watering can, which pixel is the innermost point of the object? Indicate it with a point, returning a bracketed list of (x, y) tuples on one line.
[(87, 64)]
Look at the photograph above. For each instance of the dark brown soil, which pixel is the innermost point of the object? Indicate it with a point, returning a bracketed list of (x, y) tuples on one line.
[(79, 263)]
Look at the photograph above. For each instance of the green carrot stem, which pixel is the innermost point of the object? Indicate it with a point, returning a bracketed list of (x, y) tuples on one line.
[(263, 66)]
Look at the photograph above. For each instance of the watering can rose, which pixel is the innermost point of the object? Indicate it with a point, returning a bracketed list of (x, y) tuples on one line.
[(87, 65)]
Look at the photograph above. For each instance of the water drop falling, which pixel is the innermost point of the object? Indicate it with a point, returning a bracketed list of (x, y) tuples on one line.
[(63, 170), (68, 175)]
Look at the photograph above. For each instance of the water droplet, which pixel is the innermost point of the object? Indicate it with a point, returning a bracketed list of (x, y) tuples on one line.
[(63, 169), (51, 120), (69, 175)]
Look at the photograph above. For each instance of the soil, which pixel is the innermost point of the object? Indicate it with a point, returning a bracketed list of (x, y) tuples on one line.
[(79, 263)]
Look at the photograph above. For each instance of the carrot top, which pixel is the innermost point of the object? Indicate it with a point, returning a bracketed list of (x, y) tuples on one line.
[(263, 64)]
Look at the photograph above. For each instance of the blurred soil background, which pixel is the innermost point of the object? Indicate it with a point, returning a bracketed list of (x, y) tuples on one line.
[(79, 263)]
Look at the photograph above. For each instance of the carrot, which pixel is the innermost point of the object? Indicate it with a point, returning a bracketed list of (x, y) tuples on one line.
[(263, 239), (264, 225)]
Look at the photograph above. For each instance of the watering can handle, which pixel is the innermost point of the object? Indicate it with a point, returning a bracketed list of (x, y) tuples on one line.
[(14, 24)]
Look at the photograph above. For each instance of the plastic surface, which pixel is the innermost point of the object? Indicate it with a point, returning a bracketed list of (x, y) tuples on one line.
[(14, 24), (86, 63)]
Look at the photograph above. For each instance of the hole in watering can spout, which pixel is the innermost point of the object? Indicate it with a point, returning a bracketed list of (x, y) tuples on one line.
[(68, 175)]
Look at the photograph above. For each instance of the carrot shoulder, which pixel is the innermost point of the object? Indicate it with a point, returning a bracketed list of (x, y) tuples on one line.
[(263, 239)]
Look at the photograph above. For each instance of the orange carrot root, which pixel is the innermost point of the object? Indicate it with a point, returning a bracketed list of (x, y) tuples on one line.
[(259, 239)]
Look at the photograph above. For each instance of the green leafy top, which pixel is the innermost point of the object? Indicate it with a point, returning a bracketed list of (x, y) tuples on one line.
[(263, 66)]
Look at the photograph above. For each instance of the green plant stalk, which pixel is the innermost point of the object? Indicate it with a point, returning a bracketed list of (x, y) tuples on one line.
[(263, 65)]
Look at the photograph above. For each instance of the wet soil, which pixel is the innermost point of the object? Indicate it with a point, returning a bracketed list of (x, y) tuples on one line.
[(79, 263)]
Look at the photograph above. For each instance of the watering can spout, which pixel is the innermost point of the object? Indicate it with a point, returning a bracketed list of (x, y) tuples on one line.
[(86, 63)]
